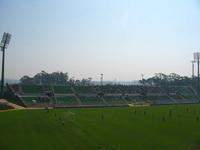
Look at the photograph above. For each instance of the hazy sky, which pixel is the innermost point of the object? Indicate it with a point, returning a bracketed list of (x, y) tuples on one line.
[(120, 38)]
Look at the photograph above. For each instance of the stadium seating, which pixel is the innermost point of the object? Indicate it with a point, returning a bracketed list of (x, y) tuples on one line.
[(154, 89), (5, 107), (106, 95), (62, 89), (190, 99), (160, 99), (111, 89), (30, 89), (132, 89), (114, 100), (133, 99), (179, 89), (86, 89), (36, 101), (86, 100), (66, 101)]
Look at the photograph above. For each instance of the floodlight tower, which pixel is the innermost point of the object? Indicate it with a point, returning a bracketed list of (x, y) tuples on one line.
[(4, 44), (142, 75), (193, 61), (196, 58), (101, 79)]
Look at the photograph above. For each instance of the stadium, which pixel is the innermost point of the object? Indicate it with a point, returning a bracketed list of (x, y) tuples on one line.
[(101, 96), (100, 117), (94, 42)]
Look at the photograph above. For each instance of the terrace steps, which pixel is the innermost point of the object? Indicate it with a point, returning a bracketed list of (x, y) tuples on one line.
[(108, 95)]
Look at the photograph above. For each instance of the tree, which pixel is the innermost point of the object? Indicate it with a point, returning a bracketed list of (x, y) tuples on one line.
[(161, 79), (26, 80), (44, 78)]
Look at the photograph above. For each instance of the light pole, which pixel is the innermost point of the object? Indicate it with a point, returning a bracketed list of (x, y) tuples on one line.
[(142, 75), (196, 58), (4, 44), (192, 68), (101, 79)]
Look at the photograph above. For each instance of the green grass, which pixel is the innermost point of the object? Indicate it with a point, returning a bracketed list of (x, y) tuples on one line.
[(150, 128)]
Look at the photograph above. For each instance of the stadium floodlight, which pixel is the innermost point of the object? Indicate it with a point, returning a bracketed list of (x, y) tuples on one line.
[(4, 44), (101, 79), (196, 56), (5, 40), (193, 61), (142, 76)]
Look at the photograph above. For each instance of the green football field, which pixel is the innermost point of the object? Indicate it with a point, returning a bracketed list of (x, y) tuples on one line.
[(172, 127)]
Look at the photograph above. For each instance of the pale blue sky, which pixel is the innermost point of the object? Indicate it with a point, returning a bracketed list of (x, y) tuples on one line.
[(120, 38)]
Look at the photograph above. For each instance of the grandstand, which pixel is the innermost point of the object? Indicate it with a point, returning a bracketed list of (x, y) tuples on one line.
[(108, 95), (65, 101), (86, 89), (91, 101), (160, 99), (132, 98), (62, 89), (5, 107), (114, 100), (30, 89), (35, 101)]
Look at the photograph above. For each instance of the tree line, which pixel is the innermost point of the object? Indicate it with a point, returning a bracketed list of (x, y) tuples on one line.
[(173, 79), (60, 78), (54, 78)]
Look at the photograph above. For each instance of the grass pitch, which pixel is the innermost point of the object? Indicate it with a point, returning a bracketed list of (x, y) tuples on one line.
[(173, 127)]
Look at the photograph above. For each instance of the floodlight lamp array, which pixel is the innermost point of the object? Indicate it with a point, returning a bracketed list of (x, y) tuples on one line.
[(5, 40), (196, 56)]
